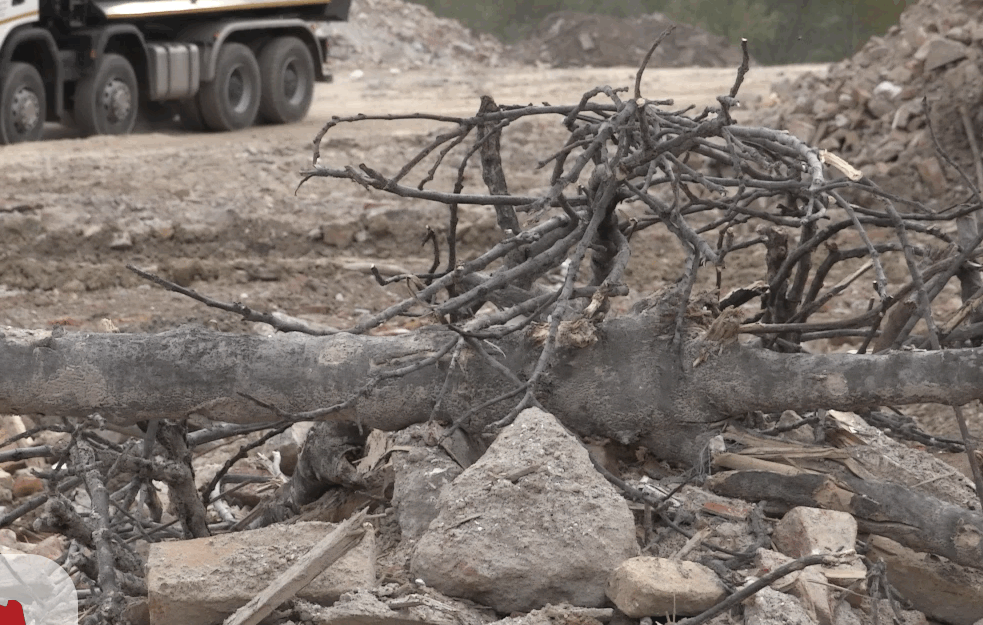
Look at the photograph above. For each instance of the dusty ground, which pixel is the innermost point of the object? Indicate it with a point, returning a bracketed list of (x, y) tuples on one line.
[(218, 211)]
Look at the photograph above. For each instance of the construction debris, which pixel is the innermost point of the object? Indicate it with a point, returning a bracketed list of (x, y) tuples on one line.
[(206, 579), (530, 523), (574, 39), (870, 109)]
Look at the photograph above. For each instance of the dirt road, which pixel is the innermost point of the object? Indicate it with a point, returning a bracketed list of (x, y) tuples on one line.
[(218, 211)]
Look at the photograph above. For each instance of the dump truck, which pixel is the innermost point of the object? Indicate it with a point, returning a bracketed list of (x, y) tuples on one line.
[(220, 64)]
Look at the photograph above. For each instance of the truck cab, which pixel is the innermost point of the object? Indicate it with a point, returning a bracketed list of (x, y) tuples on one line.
[(221, 64)]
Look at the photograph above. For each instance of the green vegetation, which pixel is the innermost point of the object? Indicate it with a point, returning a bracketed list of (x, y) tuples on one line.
[(779, 31)]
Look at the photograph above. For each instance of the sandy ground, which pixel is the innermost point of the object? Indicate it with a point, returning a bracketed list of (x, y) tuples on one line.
[(218, 211)]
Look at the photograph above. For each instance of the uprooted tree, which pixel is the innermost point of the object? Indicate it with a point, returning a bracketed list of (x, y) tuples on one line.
[(665, 375)]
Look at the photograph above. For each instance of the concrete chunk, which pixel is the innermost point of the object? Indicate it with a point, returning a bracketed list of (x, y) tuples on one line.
[(804, 531), (647, 586), (204, 580), (939, 51), (530, 523), (809, 585), (767, 607)]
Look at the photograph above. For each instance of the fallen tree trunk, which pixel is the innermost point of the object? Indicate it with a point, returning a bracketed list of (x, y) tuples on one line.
[(631, 385)]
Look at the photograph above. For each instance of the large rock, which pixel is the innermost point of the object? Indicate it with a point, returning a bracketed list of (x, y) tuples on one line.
[(803, 531), (648, 586), (530, 523), (204, 580), (939, 51)]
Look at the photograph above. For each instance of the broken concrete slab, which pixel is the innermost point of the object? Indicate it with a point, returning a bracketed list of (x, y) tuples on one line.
[(939, 51), (647, 586), (530, 523), (204, 580)]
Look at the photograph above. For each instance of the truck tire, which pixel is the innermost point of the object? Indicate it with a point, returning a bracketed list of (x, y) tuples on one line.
[(22, 104), (107, 100), (231, 101), (287, 72)]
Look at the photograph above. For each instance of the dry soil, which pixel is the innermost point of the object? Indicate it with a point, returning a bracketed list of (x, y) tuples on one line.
[(219, 212)]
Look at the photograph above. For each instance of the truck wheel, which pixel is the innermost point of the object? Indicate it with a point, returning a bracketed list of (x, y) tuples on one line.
[(22, 104), (287, 72), (231, 101), (107, 100)]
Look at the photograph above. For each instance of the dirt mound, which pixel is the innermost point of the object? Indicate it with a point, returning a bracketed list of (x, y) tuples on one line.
[(403, 35), (572, 39), (869, 109)]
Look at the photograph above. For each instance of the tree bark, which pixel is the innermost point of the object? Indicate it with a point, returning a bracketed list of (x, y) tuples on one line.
[(631, 385)]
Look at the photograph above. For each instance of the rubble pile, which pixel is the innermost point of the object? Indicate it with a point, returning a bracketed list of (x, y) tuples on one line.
[(530, 528), (869, 108), (401, 35), (573, 39)]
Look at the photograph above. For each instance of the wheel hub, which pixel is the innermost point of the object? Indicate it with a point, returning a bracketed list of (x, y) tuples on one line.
[(291, 82), (116, 100), (239, 91), (26, 110)]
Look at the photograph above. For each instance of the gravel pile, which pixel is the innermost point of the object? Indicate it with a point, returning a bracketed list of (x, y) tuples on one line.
[(572, 39), (402, 35), (869, 108)]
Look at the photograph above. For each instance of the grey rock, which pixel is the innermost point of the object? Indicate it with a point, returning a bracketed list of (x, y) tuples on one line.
[(530, 523), (939, 51), (879, 106)]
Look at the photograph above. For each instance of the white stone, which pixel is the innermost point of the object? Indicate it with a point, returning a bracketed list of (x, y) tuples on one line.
[(647, 586)]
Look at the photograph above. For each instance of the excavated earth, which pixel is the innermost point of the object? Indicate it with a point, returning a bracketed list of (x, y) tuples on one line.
[(221, 213)]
